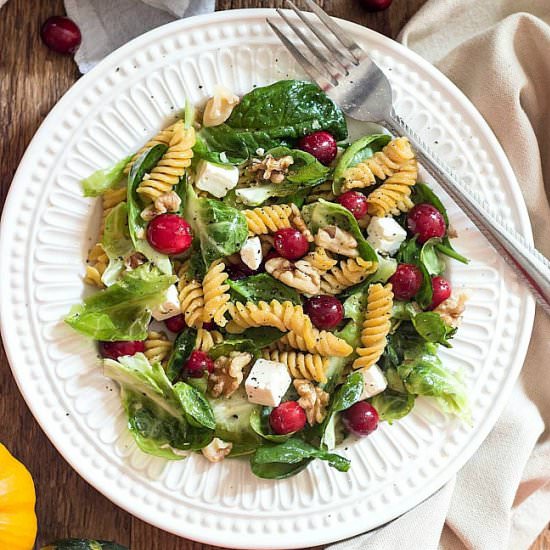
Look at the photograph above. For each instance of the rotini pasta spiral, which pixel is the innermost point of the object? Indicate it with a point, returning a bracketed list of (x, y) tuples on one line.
[(381, 165), (348, 273), (268, 219), (191, 298), (97, 263), (163, 137), (320, 260), (393, 196), (207, 339), (375, 326), (157, 347), (215, 294), (171, 167), (301, 365), (324, 343)]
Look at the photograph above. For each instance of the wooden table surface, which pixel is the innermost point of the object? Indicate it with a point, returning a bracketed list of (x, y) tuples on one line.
[(32, 79)]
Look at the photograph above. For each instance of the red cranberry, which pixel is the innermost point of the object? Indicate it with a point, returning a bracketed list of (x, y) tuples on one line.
[(197, 364), (290, 243), (355, 202), (441, 291), (210, 325), (61, 34), (169, 234), (114, 350), (325, 312), (361, 419), (176, 323), (287, 418), (376, 5), (426, 221), (406, 281), (321, 145)]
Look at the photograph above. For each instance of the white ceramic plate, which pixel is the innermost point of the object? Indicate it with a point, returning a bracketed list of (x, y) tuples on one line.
[(46, 233)]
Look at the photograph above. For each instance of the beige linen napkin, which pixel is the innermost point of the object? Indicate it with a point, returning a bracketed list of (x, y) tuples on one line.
[(498, 53)]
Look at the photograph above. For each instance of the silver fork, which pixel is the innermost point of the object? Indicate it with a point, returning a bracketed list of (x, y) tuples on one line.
[(344, 70)]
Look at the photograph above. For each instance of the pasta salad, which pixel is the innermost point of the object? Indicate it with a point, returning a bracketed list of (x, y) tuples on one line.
[(267, 286)]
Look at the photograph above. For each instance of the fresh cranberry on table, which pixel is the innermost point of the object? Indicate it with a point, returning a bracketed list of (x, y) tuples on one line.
[(321, 145), (326, 312), (426, 221), (355, 202), (169, 234), (114, 350), (441, 289), (287, 418), (376, 5), (198, 363), (175, 324), (406, 281), (361, 418), (61, 34), (290, 243)]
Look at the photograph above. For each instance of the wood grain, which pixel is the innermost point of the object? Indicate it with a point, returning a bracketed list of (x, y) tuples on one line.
[(32, 79)]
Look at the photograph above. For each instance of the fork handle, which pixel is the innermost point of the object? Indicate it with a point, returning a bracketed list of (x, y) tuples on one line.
[(531, 266)]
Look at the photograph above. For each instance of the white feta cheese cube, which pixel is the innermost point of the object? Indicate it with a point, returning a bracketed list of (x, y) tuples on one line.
[(374, 381), (251, 252), (267, 382), (385, 235), (170, 307), (215, 178)]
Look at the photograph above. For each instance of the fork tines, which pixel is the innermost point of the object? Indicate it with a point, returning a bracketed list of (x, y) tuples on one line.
[(327, 59)]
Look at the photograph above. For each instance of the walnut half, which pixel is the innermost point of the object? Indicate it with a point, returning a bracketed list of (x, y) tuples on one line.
[(270, 168), (228, 373), (313, 400), (452, 308), (167, 202), (337, 240), (300, 275), (217, 450)]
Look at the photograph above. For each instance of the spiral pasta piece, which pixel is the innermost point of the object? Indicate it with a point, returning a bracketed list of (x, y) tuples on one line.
[(385, 163), (301, 365), (157, 347), (162, 138), (348, 273), (268, 219), (324, 343), (96, 264), (171, 167), (207, 339), (216, 297), (393, 196), (191, 298), (320, 260), (376, 325)]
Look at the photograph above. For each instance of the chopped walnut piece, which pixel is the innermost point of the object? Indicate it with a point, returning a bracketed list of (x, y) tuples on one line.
[(271, 169), (337, 240), (228, 373), (217, 450), (299, 223), (300, 275), (452, 308), (135, 260), (219, 107), (167, 202), (313, 400)]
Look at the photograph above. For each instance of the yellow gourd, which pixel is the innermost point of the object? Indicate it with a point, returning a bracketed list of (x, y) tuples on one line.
[(17, 500)]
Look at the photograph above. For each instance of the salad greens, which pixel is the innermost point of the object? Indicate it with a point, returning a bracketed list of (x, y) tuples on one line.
[(188, 392), (123, 310)]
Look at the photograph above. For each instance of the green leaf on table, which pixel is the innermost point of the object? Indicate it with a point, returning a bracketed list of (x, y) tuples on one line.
[(123, 310), (102, 180)]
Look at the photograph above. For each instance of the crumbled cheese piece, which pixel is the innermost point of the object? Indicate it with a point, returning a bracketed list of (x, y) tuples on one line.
[(385, 235), (215, 178), (267, 382), (374, 381), (170, 307), (251, 252)]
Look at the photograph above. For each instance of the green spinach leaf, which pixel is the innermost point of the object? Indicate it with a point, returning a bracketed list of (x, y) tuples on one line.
[(198, 411), (262, 287), (252, 340), (181, 350)]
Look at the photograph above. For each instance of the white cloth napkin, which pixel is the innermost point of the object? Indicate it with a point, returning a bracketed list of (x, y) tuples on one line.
[(108, 24), (497, 53)]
